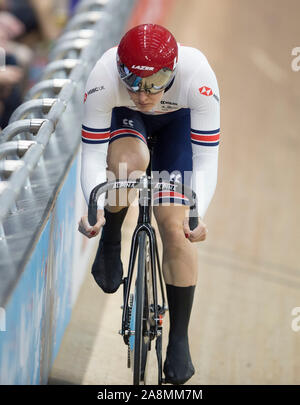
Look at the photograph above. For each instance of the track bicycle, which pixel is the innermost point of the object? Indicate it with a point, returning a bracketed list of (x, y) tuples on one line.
[(142, 314)]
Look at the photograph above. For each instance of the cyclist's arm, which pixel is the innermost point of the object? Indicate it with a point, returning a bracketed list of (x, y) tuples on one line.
[(98, 104), (205, 133), (99, 94)]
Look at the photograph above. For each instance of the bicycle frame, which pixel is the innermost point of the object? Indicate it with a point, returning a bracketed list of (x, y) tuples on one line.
[(146, 185), (144, 224)]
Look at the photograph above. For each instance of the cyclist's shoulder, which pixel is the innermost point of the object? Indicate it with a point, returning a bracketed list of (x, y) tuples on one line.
[(102, 82), (109, 55), (107, 59), (104, 71), (189, 54), (194, 67)]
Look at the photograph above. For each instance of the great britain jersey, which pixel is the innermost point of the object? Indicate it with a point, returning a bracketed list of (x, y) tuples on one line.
[(194, 87)]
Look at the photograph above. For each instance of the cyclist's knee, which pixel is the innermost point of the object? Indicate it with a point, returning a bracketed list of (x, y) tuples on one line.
[(127, 165), (170, 223), (127, 158)]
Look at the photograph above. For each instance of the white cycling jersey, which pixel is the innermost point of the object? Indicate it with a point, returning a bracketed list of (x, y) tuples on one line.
[(195, 87)]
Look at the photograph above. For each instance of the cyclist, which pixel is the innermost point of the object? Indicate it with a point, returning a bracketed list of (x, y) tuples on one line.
[(151, 85)]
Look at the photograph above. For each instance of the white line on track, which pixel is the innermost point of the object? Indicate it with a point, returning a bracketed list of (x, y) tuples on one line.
[(267, 65)]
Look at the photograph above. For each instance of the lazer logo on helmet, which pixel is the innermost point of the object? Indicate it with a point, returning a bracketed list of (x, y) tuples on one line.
[(142, 67)]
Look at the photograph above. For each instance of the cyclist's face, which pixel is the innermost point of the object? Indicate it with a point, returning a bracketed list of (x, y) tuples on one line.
[(145, 101)]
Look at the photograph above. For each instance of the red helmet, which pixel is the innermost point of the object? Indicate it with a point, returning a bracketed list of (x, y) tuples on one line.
[(147, 58)]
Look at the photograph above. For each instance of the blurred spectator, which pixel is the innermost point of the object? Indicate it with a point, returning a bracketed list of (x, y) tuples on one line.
[(36, 16), (27, 29), (10, 90), (11, 28)]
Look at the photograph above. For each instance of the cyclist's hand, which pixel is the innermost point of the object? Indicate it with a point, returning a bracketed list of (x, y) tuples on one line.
[(198, 234), (91, 231)]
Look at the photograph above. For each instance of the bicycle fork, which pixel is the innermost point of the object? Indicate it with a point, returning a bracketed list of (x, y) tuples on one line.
[(158, 311)]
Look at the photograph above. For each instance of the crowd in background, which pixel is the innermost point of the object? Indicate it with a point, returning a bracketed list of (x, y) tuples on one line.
[(27, 31)]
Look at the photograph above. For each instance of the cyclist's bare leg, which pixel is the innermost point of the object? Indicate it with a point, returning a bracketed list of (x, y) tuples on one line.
[(177, 250), (127, 158), (180, 274)]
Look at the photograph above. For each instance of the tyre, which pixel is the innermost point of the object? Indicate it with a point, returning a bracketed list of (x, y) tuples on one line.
[(141, 314)]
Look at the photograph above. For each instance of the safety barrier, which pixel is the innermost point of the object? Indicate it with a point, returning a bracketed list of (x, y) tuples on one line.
[(42, 257)]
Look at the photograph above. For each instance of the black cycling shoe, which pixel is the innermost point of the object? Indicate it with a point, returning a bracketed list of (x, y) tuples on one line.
[(107, 268), (178, 366)]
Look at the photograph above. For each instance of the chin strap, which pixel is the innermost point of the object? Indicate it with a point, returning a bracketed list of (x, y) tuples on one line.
[(170, 85)]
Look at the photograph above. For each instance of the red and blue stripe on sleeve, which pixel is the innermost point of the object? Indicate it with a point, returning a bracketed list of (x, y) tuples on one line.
[(95, 136), (205, 138)]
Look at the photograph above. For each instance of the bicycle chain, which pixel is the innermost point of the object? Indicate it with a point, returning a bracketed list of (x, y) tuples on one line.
[(129, 321)]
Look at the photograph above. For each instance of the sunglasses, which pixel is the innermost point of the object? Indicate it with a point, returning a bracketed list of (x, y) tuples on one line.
[(152, 84)]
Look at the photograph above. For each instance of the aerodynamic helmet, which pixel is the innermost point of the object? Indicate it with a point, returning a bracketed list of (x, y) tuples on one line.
[(147, 58)]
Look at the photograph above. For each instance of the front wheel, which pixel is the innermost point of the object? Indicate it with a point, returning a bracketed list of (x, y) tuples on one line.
[(141, 316)]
